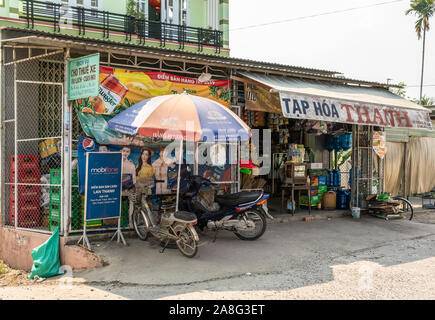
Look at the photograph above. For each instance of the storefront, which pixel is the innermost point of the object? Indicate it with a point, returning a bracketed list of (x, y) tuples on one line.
[(47, 130), (325, 130)]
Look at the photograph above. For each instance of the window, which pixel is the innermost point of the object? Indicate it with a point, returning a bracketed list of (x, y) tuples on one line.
[(213, 14), (175, 12)]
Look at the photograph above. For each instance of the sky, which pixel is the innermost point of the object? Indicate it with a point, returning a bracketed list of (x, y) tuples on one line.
[(375, 43)]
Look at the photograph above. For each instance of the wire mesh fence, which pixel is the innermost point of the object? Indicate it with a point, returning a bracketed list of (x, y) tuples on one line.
[(32, 157)]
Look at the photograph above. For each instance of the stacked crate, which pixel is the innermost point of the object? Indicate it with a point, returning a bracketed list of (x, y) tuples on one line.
[(28, 195), (55, 199), (75, 202), (323, 187), (317, 188)]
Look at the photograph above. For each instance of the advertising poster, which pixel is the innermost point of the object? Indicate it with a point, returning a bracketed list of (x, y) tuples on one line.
[(141, 166), (103, 185), (120, 89), (380, 144), (83, 76)]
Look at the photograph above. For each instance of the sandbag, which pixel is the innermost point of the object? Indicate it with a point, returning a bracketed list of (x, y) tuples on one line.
[(46, 262)]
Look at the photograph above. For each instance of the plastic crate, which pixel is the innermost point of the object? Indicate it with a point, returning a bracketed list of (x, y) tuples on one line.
[(55, 176), (55, 211), (53, 224), (55, 195)]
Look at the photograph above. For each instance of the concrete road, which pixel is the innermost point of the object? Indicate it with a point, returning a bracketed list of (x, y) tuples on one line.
[(341, 258)]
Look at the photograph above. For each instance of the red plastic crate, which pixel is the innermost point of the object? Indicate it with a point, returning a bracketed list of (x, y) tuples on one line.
[(27, 217), (28, 169), (26, 176), (25, 192), (26, 161)]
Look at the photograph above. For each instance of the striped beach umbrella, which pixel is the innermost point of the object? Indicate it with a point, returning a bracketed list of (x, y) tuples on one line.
[(181, 117)]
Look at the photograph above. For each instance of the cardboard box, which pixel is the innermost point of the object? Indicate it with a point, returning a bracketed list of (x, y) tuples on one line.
[(48, 147)]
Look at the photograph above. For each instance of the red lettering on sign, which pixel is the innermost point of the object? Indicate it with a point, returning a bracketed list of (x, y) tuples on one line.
[(403, 116), (349, 115), (364, 113), (377, 116), (390, 120)]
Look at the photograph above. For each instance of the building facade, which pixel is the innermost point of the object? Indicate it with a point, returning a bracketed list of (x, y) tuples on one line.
[(186, 25)]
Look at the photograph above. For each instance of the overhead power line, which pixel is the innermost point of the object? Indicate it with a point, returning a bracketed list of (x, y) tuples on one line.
[(315, 15)]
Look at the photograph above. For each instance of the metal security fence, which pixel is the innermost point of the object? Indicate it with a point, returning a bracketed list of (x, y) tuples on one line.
[(32, 158), (58, 15), (367, 168)]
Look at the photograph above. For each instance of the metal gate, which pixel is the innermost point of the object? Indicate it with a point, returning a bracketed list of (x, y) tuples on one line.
[(33, 131), (367, 168)]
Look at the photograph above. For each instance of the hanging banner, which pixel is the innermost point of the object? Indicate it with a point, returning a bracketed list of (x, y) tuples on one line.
[(260, 99), (312, 108), (380, 144), (120, 89), (83, 79), (103, 185)]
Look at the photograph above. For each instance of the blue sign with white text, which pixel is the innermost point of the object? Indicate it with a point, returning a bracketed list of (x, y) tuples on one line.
[(103, 185)]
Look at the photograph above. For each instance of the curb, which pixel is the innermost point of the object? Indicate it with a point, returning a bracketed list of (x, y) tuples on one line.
[(307, 218)]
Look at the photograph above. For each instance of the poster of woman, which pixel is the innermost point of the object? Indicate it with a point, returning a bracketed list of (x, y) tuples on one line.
[(144, 170)]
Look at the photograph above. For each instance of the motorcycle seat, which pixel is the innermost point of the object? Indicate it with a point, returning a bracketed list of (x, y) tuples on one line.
[(239, 198), (185, 216)]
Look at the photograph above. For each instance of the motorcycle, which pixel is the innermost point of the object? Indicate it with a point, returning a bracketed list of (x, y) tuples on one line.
[(241, 213), (171, 226)]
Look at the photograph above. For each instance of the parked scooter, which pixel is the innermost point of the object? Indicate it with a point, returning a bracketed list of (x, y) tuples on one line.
[(241, 213), (172, 225)]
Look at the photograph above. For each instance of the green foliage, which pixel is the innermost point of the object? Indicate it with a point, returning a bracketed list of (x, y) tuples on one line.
[(221, 93), (423, 9), (425, 101), (399, 91), (342, 157), (133, 10)]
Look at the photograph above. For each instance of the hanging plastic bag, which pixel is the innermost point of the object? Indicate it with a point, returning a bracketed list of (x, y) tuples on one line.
[(46, 262)]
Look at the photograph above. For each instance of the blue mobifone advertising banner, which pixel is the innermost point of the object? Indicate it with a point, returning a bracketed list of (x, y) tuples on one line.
[(103, 185)]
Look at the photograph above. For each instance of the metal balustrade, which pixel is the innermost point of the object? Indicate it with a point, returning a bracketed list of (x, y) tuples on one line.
[(85, 19)]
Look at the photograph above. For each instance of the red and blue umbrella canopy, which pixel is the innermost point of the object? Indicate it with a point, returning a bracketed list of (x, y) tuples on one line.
[(181, 117)]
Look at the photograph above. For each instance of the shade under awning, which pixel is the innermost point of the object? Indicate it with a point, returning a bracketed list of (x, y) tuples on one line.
[(320, 100)]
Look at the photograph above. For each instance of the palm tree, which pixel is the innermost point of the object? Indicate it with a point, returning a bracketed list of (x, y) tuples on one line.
[(423, 9)]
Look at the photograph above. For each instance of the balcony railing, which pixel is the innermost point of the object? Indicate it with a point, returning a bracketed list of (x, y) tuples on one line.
[(84, 19)]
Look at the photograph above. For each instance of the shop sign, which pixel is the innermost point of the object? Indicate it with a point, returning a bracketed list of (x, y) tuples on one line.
[(103, 185), (83, 79), (308, 107), (380, 144), (260, 99)]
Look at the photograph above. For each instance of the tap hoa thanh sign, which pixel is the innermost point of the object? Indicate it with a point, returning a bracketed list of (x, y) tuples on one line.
[(325, 109)]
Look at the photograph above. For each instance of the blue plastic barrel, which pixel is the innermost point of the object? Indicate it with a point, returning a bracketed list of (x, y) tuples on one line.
[(336, 178), (341, 200)]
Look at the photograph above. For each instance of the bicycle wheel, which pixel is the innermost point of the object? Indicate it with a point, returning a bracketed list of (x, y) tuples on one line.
[(407, 205), (186, 242), (141, 223)]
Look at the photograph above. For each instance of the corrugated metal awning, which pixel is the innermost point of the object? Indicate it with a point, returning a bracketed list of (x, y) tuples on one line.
[(322, 100), (359, 94)]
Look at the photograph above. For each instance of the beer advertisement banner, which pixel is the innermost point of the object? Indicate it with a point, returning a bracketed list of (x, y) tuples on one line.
[(260, 99), (312, 108), (120, 89)]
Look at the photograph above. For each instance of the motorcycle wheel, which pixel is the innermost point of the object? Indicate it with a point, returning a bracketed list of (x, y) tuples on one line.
[(187, 243), (259, 218), (140, 221)]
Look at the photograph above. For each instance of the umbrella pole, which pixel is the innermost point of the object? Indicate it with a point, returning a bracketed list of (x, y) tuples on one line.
[(179, 173)]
